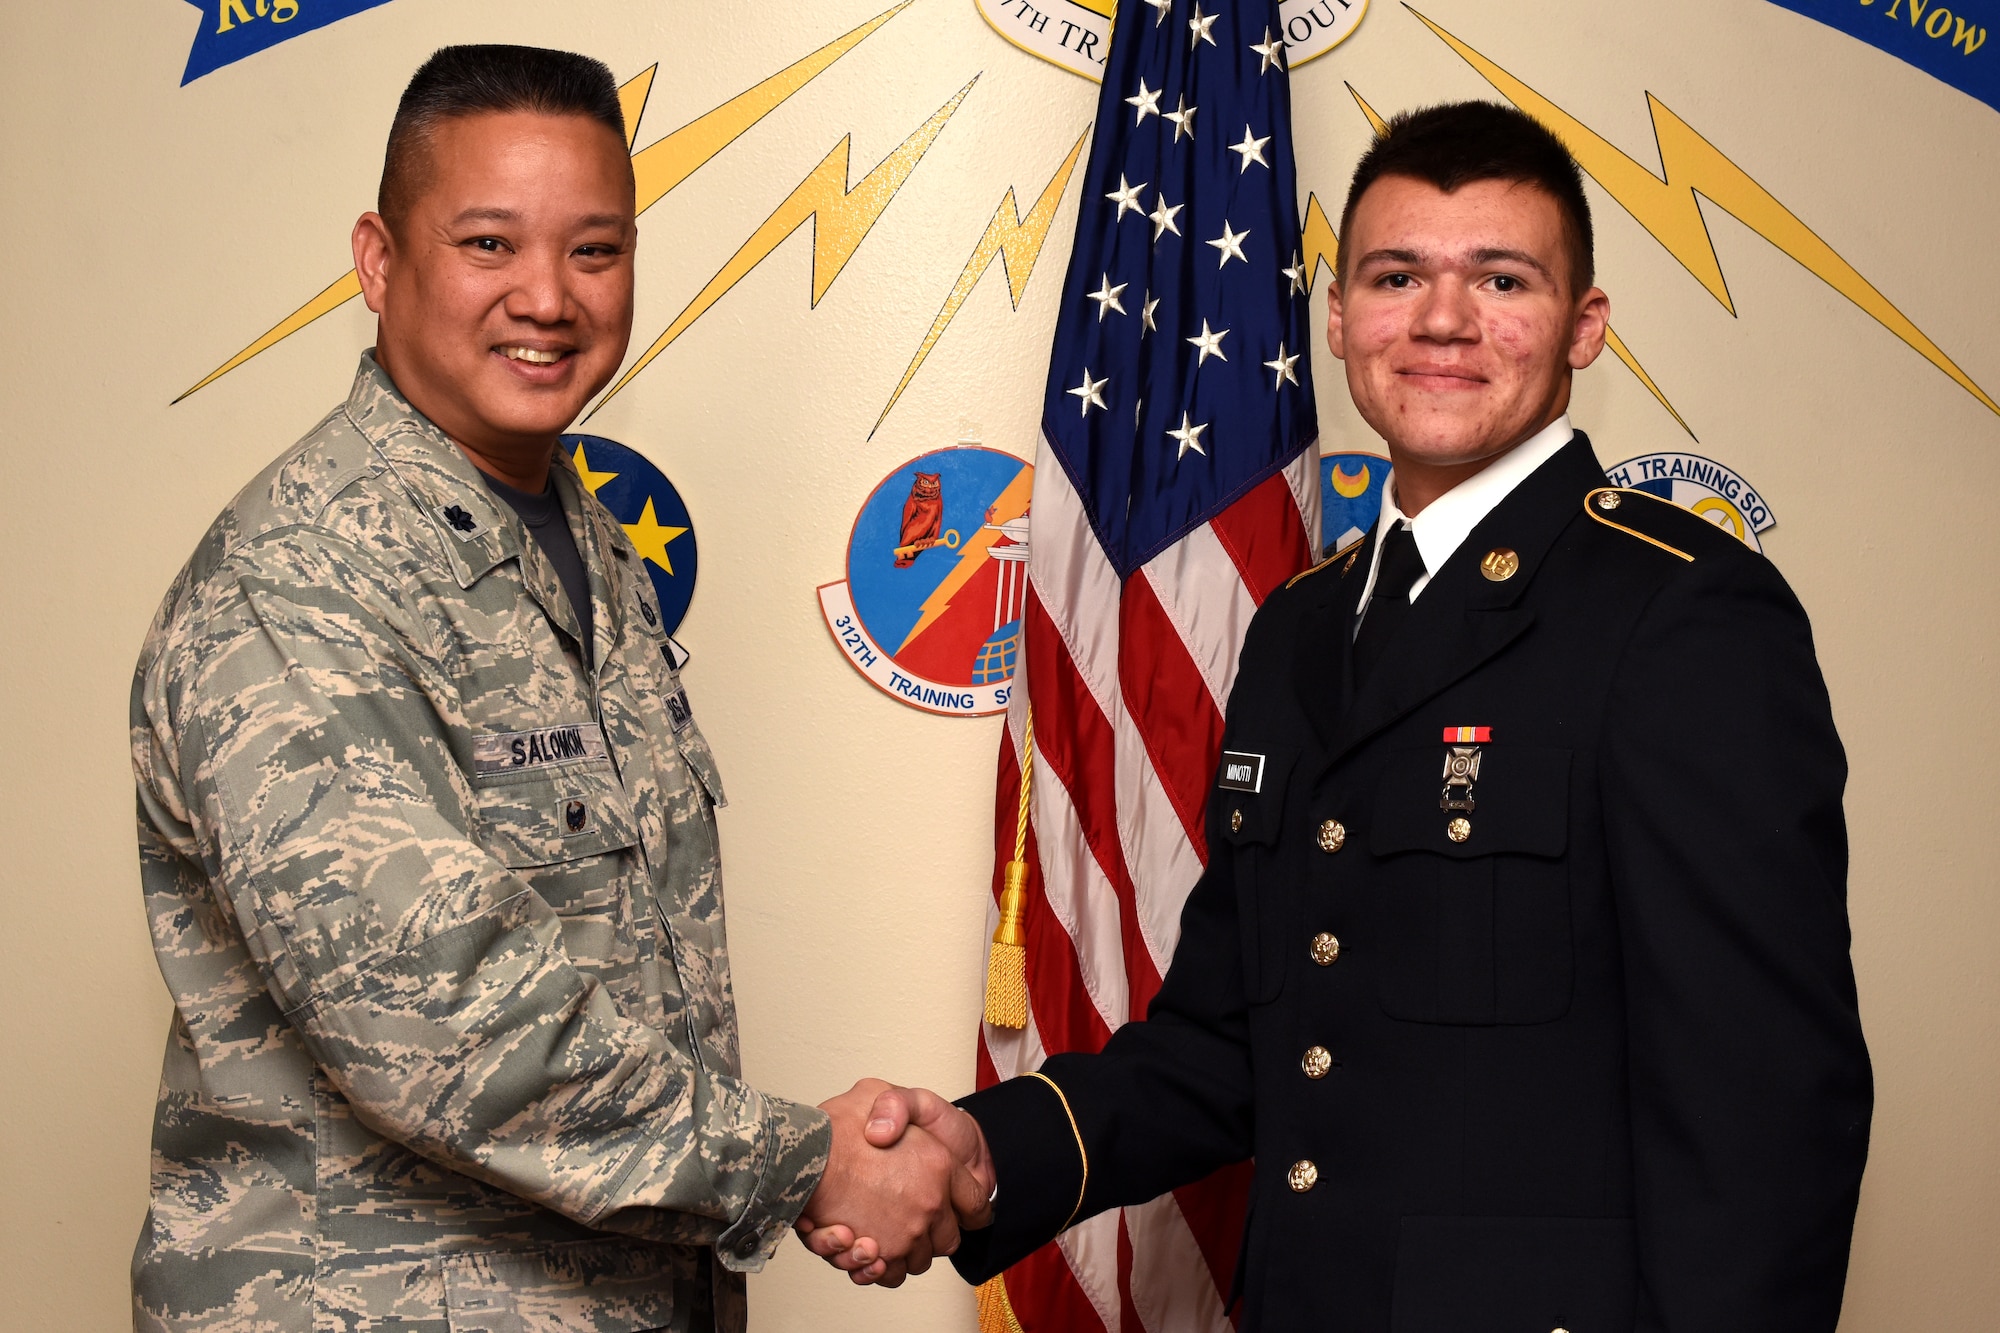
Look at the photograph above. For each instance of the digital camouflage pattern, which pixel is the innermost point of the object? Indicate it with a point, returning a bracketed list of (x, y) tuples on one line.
[(454, 1046)]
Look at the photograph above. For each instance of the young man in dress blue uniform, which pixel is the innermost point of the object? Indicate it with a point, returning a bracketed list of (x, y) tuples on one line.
[(1520, 964)]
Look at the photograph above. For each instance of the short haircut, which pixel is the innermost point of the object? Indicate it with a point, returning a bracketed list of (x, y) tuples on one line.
[(476, 80), (1460, 142)]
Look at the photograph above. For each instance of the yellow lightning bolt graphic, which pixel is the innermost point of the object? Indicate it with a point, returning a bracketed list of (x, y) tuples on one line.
[(1018, 244), (1317, 242), (655, 169), (1013, 503), (1322, 246), (1667, 206), (841, 218)]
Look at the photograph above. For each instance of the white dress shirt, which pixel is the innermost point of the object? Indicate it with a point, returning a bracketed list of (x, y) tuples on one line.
[(1448, 520)]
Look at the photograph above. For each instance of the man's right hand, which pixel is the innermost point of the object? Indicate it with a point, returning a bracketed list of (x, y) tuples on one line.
[(894, 1183), (917, 1114)]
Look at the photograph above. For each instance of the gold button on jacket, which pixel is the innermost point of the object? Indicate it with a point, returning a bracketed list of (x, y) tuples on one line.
[(1332, 837), (1316, 1061), (1325, 949), (1302, 1177)]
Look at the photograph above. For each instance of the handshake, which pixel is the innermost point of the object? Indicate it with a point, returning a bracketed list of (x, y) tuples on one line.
[(906, 1171)]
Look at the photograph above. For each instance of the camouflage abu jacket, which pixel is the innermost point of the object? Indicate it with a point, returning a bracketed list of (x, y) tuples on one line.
[(454, 1046)]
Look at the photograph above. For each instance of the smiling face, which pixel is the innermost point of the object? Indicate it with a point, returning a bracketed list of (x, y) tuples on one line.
[(1458, 324), (504, 292)]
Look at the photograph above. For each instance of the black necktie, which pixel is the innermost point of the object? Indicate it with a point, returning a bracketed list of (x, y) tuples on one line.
[(1389, 602)]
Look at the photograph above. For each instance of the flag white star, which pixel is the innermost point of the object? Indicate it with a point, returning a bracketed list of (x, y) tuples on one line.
[(1146, 316), (1230, 243), (1148, 102), (1106, 297), (1190, 438), (1199, 25), (1268, 49), (1162, 217), (1183, 118), (1127, 198), (1163, 6), (1283, 366), (1209, 343), (1297, 274), (1252, 150), (1092, 391)]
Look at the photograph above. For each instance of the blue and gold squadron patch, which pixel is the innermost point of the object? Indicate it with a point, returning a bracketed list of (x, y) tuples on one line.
[(650, 510)]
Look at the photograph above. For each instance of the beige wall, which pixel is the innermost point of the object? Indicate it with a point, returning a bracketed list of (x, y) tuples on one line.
[(151, 230)]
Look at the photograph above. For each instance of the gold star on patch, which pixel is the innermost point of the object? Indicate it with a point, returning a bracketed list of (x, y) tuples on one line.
[(592, 481), (650, 537)]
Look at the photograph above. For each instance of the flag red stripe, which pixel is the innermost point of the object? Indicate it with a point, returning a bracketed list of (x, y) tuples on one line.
[(1075, 740), (1169, 703), (1214, 1209), (1046, 1297), (1265, 535)]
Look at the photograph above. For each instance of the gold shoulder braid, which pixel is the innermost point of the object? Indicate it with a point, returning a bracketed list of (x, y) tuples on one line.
[(1350, 550), (1608, 500)]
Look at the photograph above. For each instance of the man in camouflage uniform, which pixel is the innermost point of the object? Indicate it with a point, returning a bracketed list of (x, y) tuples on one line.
[(429, 852)]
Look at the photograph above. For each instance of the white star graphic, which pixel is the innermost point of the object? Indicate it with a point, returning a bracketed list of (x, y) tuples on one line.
[(1183, 118), (1146, 315), (1092, 391), (1209, 343), (1106, 297), (1230, 243), (1127, 198), (1163, 6), (1283, 366), (1198, 27), (1252, 150), (1162, 217), (1190, 438), (1148, 102), (1297, 274), (1268, 49)]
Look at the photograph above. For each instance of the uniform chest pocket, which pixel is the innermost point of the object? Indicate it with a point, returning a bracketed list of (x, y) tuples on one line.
[(569, 832), (1471, 913), (1267, 901)]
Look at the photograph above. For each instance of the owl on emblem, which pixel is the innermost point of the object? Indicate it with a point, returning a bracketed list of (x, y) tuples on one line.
[(923, 516)]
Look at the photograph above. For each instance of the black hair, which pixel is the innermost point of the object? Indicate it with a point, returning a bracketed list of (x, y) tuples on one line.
[(473, 80), (1460, 142)]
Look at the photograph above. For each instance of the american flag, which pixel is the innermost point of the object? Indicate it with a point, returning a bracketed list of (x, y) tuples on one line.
[(1176, 486)]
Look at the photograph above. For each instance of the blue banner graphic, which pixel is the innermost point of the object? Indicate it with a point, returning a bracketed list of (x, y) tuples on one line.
[(233, 29), (1946, 41)]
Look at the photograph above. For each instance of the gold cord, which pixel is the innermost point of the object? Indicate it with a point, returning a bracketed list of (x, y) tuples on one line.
[(1007, 958)]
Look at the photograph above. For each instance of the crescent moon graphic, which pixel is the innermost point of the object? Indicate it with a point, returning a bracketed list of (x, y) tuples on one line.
[(1353, 485)]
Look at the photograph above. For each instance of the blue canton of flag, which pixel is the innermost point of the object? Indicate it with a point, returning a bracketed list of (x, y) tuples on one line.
[(1181, 372)]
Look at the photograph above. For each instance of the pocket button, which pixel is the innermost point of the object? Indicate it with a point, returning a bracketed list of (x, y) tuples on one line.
[(1302, 1177), (1325, 949), (1332, 837)]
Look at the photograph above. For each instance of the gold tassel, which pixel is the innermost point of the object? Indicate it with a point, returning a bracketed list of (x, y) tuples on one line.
[(996, 1312), (1007, 960)]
